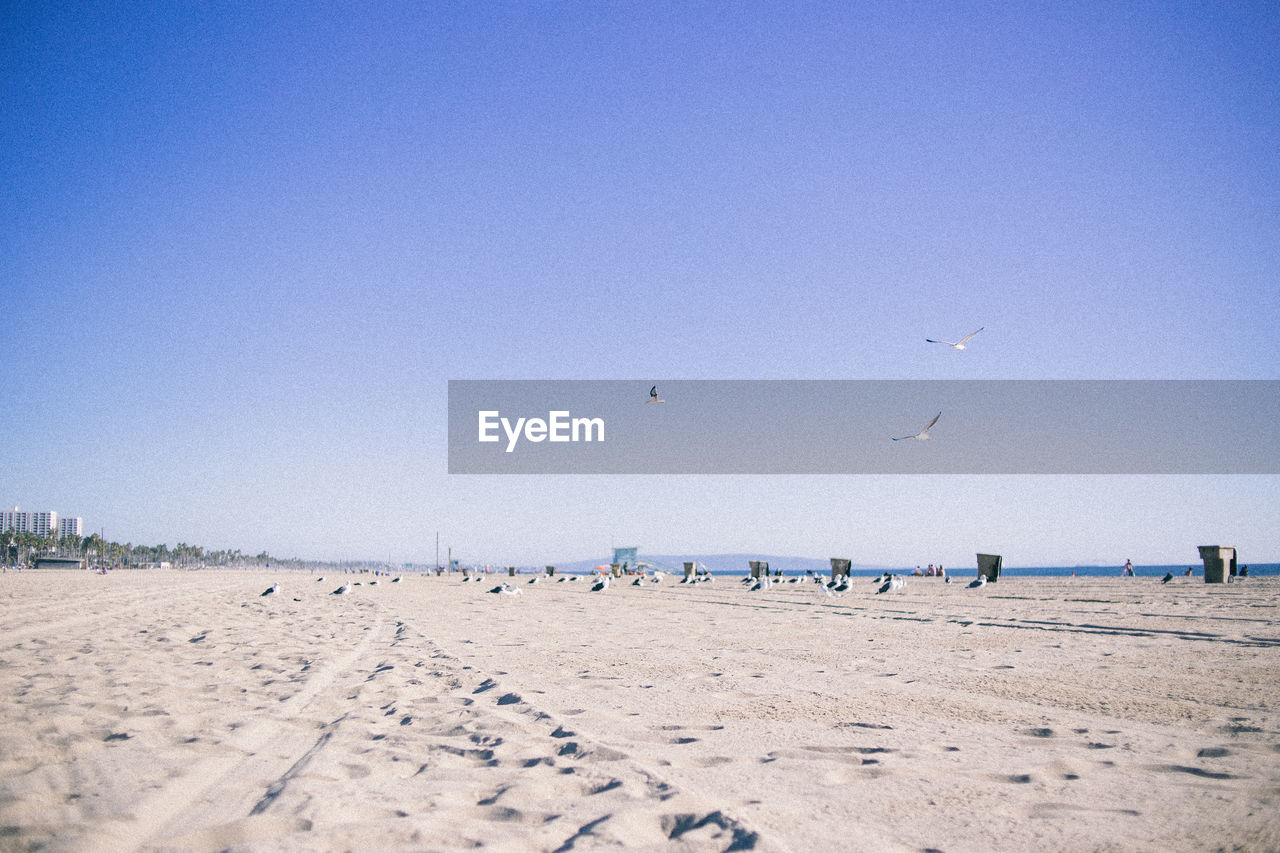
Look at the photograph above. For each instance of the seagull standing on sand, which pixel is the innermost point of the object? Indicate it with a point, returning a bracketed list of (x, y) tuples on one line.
[(895, 583), (653, 395), (922, 435), (342, 590), (601, 585), (1168, 576), (957, 344), (978, 582), (271, 590), (320, 579)]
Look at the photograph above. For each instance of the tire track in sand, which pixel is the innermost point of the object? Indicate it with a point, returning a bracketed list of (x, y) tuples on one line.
[(212, 790)]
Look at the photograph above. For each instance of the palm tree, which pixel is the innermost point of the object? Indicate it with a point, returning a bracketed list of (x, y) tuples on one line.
[(26, 541), (91, 543)]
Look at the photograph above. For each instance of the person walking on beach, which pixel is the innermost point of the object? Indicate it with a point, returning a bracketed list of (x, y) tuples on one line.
[(1127, 571)]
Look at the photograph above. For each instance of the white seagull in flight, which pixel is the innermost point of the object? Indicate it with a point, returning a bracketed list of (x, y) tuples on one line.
[(653, 395), (958, 344), (922, 435)]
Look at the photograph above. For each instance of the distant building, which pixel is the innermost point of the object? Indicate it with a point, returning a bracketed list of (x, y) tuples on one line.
[(59, 563), (40, 523), (44, 523)]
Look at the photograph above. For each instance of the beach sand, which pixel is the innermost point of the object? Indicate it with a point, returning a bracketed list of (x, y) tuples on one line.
[(183, 711)]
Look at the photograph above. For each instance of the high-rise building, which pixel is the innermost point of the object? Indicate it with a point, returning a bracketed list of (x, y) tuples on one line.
[(12, 519), (44, 523)]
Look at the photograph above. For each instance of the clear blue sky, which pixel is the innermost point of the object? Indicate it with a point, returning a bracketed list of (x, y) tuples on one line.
[(245, 247)]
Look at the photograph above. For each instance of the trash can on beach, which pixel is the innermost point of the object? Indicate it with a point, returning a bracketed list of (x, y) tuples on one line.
[(989, 565), (1218, 561), (839, 566)]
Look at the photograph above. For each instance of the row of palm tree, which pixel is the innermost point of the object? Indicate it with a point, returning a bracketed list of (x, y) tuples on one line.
[(22, 549)]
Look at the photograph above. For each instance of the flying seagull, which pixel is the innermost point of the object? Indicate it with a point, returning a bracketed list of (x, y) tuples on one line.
[(957, 344), (653, 395), (922, 435)]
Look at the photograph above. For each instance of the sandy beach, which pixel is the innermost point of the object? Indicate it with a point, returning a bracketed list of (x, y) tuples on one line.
[(185, 711)]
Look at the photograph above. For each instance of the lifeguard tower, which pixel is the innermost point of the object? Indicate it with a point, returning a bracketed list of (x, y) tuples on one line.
[(625, 558)]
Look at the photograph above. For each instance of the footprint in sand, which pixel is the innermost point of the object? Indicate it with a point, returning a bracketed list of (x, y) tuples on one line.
[(711, 829), (1193, 771)]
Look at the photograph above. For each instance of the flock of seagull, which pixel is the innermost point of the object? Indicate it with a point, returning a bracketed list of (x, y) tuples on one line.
[(345, 589), (885, 583), (922, 435)]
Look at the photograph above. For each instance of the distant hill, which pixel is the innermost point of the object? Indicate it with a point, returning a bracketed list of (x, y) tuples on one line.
[(731, 563)]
